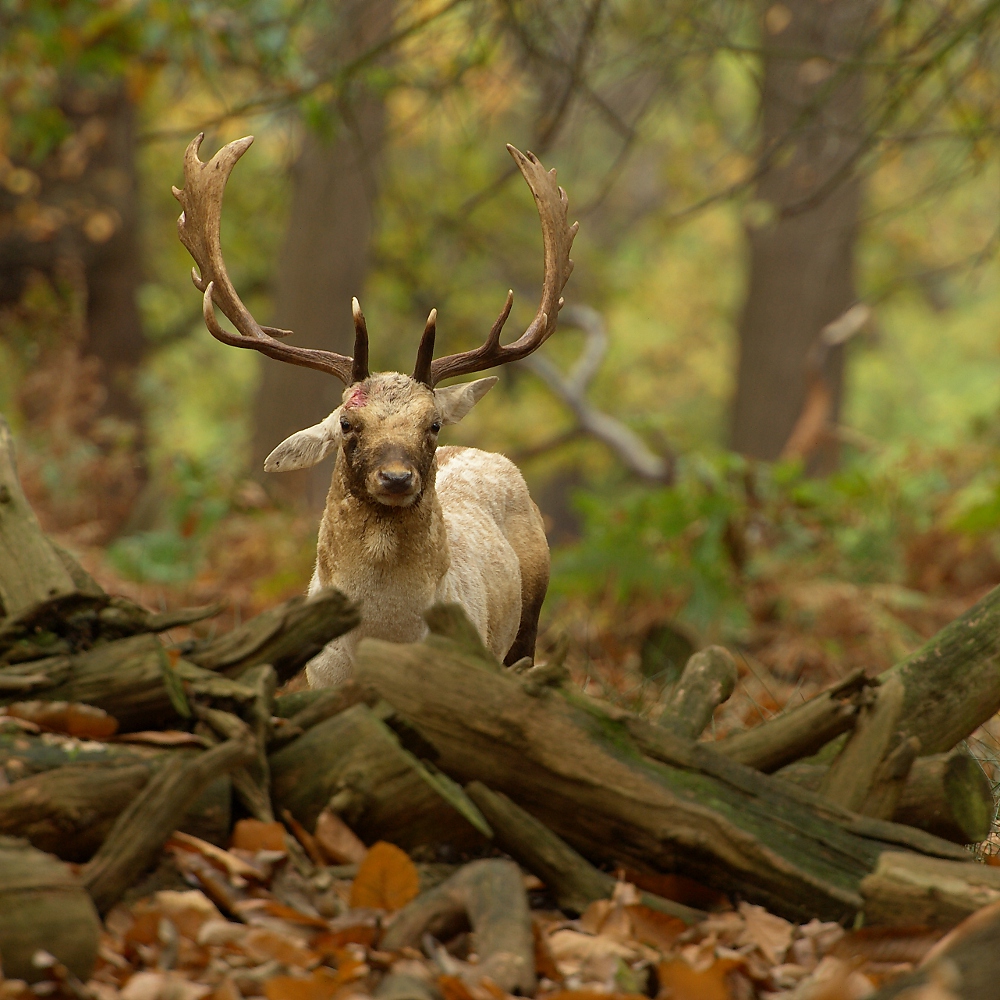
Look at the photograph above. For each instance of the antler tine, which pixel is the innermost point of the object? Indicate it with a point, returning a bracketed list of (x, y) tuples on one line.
[(425, 352), (199, 228), (359, 368), (557, 241)]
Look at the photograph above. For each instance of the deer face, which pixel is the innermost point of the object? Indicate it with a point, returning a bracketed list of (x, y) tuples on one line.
[(387, 430)]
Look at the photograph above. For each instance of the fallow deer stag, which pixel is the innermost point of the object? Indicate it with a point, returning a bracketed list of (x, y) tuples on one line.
[(406, 523)]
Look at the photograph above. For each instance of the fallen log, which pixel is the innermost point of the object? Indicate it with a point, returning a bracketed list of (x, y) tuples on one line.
[(708, 679), (801, 731), (910, 890), (43, 906), (947, 794), (30, 569), (580, 771), (286, 637), (573, 881), (301, 710), (354, 764), (489, 897), (140, 832)]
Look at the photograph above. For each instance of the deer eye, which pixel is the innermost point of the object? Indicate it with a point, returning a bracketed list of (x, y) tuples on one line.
[(345, 425), (436, 426)]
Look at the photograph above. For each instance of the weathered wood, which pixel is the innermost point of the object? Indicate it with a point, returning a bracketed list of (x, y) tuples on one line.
[(707, 681), (305, 709), (852, 775), (579, 771), (963, 965), (573, 881), (132, 679), (286, 637), (140, 832), (43, 906), (798, 732), (353, 762), (489, 896), (953, 681), (946, 794), (30, 569), (907, 889)]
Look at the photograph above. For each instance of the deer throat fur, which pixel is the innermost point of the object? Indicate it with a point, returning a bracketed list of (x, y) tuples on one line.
[(361, 541)]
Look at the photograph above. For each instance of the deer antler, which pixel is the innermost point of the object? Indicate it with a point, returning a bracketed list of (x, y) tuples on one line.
[(557, 240), (199, 228)]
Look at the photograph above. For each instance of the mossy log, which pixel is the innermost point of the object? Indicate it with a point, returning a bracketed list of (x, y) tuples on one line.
[(708, 679), (910, 890), (581, 771), (573, 881), (43, 906), (947, 794), (286, 637), (354, 763)]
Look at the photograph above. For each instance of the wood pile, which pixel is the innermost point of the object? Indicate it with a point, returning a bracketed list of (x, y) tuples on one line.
[(173, 827)]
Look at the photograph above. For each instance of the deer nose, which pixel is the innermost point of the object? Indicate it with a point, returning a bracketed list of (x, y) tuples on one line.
[(395, 480)]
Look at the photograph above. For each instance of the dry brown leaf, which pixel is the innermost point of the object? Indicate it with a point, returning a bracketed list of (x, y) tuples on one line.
[(769, 933), (593, 995), (305, 838), (262, 943), (887, 944), (452, 988), (226, 990), (231, 864), (678, 981), (166, 738), (387, 879), (70, 717), (161, 986), (677, 888), (256, 835), (337, 840), (188, 911), (272, 908), (653, 928), (321, 985), (545, 962)]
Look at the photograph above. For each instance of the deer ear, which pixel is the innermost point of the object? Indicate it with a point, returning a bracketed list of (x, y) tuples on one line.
[(307, 448), (455, 401)]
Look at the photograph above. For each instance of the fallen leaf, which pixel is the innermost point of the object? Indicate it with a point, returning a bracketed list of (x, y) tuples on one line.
[(256, 835), (545, 962), (163, 986), (353, 927), (69, 717), (678, 981), (166, 738), (653, 928), (594, 995), (769, 933), (272, 908), (262, 943), (305, 838), (452, 988), (226, 990), (337, 840), (321, 985), (887, 944), (231, 864), (387, 879), (188, 910)]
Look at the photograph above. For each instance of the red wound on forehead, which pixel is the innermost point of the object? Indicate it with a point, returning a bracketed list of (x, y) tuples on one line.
[(356, 397)]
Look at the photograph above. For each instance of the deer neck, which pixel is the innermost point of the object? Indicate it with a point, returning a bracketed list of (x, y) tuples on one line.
[(356, 531)]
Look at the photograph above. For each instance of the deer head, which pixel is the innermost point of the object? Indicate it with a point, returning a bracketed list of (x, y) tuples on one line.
[(388, 423)]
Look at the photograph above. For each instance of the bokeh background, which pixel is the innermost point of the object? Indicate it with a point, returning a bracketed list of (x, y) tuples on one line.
[(770, 417)]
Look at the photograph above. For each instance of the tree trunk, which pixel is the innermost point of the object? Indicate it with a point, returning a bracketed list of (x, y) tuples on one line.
[(802, 243), (326, 254)]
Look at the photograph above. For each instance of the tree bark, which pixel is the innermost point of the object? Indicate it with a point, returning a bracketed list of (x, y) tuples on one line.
[(801, 252), (707, 681), (326, 253)]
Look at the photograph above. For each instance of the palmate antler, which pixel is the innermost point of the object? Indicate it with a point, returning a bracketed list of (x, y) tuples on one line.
[(199, 229)]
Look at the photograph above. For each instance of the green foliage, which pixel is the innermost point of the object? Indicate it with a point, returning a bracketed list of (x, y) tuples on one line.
[(173, 553), (694, 546)]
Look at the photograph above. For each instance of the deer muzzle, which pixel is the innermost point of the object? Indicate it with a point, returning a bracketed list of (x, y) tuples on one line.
[(396, 484)]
